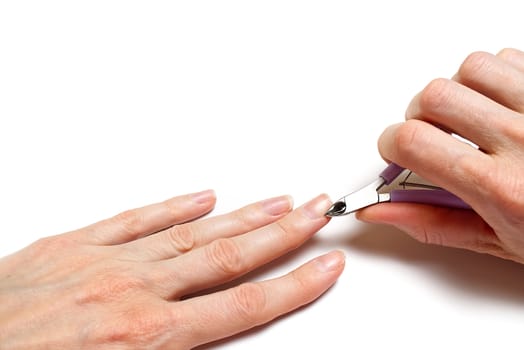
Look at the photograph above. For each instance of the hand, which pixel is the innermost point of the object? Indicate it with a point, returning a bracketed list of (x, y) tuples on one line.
[(483, 103), (119, 284)]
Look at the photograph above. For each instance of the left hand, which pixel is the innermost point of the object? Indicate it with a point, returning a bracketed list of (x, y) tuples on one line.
[(123, 283)]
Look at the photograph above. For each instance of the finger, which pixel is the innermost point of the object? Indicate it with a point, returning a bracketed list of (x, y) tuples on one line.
[(495, 78), (440, 158), (465, 112), (513, 57), (218, 315), (132, 224), (225, 259), (436, 225), (180, 239)]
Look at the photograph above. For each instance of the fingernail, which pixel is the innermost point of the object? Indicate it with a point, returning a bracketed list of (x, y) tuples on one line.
[(317, 207), (330, 261), (277, 205), (203, 197), (359, 215)]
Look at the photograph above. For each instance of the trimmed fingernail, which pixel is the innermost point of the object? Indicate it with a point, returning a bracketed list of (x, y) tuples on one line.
[(203, 197), (277, 205), (330, 261), (317, 207)]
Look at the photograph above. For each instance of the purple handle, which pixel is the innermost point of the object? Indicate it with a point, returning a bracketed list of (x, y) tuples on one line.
[(435, 197), (391, 172)]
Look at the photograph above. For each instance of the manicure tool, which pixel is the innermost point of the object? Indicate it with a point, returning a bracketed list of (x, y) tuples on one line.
[(369, 195)]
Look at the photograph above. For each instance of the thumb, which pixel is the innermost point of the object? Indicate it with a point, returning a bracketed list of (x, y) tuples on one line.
[(437, 225)]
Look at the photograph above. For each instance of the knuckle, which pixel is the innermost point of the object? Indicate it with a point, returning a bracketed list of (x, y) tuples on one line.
[(244, 217), (249, 300), (513, 132), (302, 283), (181, 237), (130, 221), (475, 65), (470, 171), (171, 207), (436, 95), (290, 232), (507, 192), (59, 248), (135, 326), (225, 256), (109, 286), (49, 245), (508, 53), (493, 182), (46, 244), (407, 138)]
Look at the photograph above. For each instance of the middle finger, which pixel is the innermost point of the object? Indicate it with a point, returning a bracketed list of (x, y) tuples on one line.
[(495, 77), (464, 111)]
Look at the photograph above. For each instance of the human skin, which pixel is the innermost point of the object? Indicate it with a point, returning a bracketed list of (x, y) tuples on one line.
[(484, 103), (138, 280)]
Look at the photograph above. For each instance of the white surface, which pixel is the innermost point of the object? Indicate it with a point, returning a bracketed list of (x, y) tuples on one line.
[(108, 105)]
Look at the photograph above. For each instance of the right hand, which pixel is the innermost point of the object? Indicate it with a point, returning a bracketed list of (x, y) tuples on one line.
[(484, 103)]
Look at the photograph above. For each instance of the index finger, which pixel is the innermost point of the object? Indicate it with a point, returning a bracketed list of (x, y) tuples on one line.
[(438, 157)]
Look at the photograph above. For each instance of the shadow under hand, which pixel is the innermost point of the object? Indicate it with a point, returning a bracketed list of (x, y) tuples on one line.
[(469, 272)]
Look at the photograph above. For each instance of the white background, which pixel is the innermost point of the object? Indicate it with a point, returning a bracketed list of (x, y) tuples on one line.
[(109, 105)]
